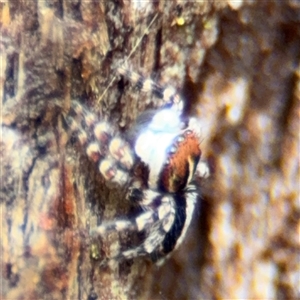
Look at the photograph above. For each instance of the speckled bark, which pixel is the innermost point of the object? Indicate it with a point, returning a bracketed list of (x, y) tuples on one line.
[(236, 63)]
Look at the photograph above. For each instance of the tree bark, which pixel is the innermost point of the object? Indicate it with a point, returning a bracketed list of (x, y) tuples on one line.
[(237, 66)]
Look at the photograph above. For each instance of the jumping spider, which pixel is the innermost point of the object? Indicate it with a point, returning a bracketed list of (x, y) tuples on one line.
[(169, 146)]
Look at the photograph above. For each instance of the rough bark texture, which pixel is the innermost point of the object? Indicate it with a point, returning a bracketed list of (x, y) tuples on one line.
[(236, 63)]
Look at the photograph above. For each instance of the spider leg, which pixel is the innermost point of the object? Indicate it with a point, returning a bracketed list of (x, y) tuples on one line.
[(158, 213), (156, 234), (168, 234), (138, 224), (110, 151), (156, 221), (76, 128), (167, 94)]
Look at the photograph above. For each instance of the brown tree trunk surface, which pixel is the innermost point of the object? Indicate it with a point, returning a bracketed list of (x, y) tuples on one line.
[(236, 64)]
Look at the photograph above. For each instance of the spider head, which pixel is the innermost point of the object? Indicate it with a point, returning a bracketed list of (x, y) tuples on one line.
[(170, 149)]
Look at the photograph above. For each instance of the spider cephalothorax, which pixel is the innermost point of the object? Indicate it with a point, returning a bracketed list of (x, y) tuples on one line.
[(169, 147)]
